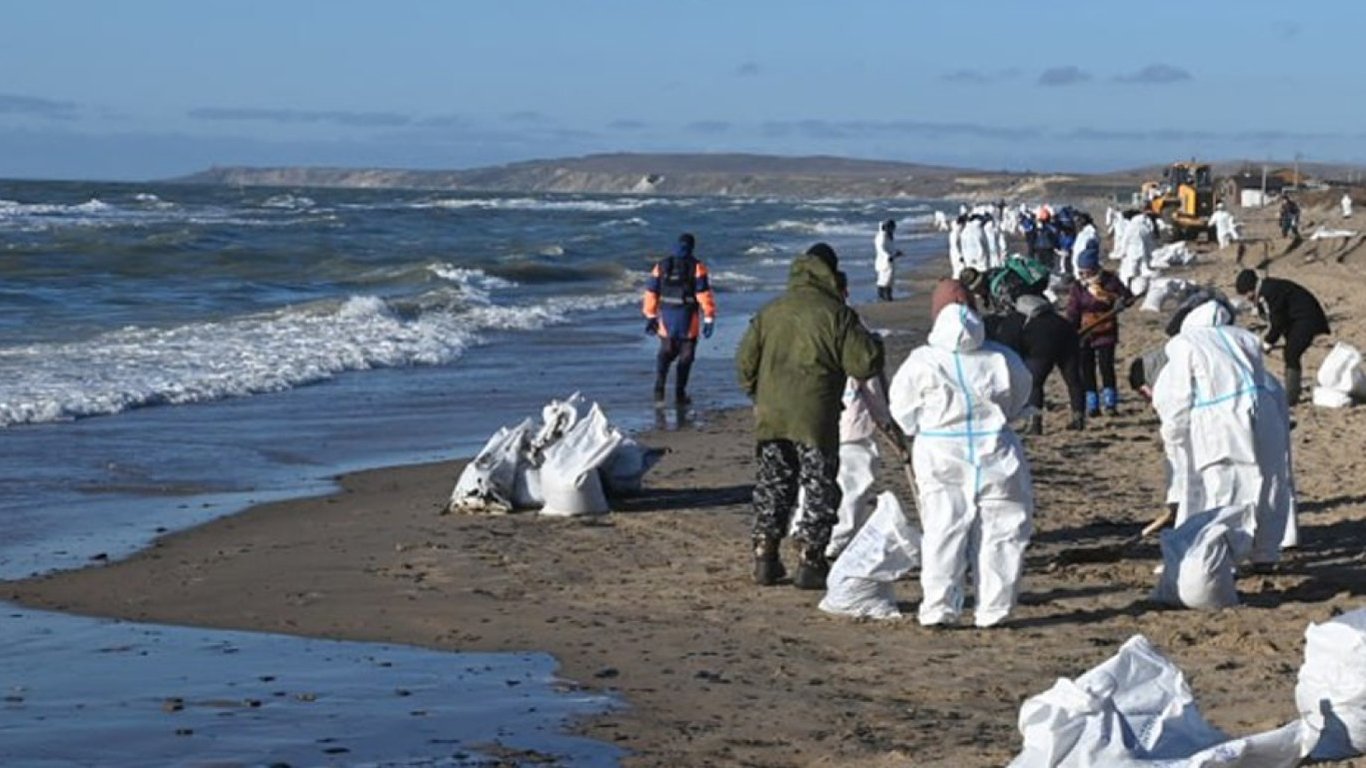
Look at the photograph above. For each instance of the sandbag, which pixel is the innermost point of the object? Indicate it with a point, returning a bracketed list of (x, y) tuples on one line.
[(1135, 709), (1172, 255), (1331, 692), (1341, 380), (624, 470), (557, 418), (488, 482), (886, 548), (1164, 289), (1200, 557), (569, 472)]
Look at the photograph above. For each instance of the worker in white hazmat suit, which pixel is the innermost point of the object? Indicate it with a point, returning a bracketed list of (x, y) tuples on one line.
[(1136, 252), (941, 222), (1225, 228), (996, 254), (956, 245), (885, 255), (1346, 205), (1085, 236), (1226, 427), (973, 245), (865, 411), (956, 396)]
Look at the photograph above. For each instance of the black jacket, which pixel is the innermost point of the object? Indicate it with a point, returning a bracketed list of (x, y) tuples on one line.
[(1283, 304)]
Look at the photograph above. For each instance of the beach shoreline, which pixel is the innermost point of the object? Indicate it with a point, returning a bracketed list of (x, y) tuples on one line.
[(654, 601)]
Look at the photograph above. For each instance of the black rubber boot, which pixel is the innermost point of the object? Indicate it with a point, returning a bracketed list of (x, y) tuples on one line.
[(1078, 421), (1036, 424), (659, 393), (1292, 385), (811, 570), (768, 568)]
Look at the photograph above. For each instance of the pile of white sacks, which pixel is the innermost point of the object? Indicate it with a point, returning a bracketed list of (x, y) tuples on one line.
[(566, 467), (1341, 380), (1135, 709)]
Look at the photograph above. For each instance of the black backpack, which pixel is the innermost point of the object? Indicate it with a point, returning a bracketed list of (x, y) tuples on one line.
[(678, 281)]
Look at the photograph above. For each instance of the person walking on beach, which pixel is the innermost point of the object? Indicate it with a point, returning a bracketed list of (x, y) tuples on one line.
[(1346, 203), (1046, 341), (1290, 218), (1225, 228), (678, 305), (1094, 302), (794, 361), (956, 396), (1291, 312), (884, 261)]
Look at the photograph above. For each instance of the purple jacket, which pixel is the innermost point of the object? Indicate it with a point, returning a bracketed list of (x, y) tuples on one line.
[(1088, 303)]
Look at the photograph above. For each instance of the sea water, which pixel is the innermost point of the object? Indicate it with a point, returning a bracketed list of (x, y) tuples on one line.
[(173, 353)]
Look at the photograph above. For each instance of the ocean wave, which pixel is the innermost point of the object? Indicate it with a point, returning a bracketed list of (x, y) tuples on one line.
[(634, 221), (289, 202), (824, 227), (539, 204), (201, 362)]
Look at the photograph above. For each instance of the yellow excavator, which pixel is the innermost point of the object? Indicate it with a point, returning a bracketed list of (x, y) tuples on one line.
[(1184, 199)]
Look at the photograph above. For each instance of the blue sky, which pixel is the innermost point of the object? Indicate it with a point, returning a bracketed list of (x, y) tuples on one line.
[(144, 89)]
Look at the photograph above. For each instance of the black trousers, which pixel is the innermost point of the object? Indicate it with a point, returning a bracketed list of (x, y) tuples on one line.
[(1098, 357), (682, 350), (1042, 367), (1297, 340)]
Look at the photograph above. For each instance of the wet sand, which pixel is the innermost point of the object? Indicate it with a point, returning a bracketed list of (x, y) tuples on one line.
[(655, 602)]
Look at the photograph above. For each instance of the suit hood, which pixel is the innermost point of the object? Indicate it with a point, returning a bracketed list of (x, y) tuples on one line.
[(957, 329)]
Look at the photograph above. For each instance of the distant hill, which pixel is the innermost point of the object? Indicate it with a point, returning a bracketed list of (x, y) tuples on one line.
[(682, 174)]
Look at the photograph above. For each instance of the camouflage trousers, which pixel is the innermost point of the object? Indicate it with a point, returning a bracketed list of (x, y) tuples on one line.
[(784, 467)]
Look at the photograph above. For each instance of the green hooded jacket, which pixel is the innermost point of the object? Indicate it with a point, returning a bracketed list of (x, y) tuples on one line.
[(797, 354)]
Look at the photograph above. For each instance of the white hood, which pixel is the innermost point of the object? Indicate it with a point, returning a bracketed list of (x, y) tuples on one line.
[(957, 329), (1209, 314)]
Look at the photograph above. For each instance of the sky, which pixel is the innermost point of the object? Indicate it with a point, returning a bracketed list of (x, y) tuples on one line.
[(150, 89)]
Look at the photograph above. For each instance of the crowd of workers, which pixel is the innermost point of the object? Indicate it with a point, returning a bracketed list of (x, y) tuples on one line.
[(999, 327)]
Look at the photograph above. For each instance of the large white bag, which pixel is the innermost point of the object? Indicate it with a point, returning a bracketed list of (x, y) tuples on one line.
[(1172, 255), (557, 418), (626, 467), (1200, 556), (1164, 289), (1340, 378), (488, 483), (1331, 692), (1135, 709), (886, 548), (569, 473)]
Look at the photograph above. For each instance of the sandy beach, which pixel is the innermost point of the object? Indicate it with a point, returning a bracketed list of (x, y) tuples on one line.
[(654, 601)]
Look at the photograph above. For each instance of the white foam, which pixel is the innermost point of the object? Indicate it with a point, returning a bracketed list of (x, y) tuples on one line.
[(535, 204), (200, 362), (825, 227), (289, 202)]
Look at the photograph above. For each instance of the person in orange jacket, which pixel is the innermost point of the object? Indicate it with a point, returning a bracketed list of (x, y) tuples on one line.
[(678, 305)]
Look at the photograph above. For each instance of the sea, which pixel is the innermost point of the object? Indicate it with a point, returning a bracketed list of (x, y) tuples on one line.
[(170, 354)]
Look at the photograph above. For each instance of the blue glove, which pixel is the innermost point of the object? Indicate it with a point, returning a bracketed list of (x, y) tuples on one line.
[(652, 326), (707, 327)]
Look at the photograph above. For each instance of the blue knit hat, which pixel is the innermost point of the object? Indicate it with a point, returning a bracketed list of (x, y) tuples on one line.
[(1089, 258)]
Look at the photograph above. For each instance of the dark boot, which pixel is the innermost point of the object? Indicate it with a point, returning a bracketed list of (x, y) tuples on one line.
[(768, 568), (811, 570), (1292, 385), (1078, 421), (659, 391), (681, 398), (1036, 424)]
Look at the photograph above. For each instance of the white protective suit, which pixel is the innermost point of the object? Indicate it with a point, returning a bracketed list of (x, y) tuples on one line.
[(956, 248), (973, 245), (956, 396), (1346, 206), (1086, 236), (1225, 228), (1136, 252), (1226, 428), (941, 222), (884, 258), (996, 252), (865, 407)]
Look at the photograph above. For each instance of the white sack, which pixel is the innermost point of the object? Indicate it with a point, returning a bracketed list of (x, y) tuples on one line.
[(1135, 709), (1340, 378), (1331, 692), (569, 473), (1164, 289), (1199, 558), (1323, 233), (488, 483), (886, 548), (557, 418), (626, 467), (1172, 255)]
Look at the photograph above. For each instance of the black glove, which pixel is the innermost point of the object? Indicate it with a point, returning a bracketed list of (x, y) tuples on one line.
[(652, 326)]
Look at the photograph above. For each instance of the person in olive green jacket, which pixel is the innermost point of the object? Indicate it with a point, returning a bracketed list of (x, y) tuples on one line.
[(794, 360)]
